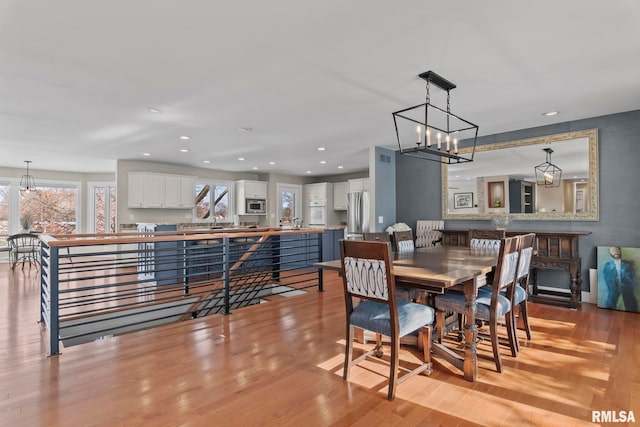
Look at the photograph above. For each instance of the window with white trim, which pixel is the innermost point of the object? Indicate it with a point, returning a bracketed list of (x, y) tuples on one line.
[(52, 210), (214, 201), (102, 208)]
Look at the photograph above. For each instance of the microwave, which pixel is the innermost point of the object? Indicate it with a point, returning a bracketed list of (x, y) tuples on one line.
[(256, 206)]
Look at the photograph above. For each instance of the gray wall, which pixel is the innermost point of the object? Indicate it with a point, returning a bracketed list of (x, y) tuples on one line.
[(383, 179), (418, 187)]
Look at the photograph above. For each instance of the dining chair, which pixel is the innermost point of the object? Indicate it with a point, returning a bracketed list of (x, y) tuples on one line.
[(490, 307), (485, 239), (428, 232), (377, 237), (24, 248), (367, 272), (521, 291), (403, 241)]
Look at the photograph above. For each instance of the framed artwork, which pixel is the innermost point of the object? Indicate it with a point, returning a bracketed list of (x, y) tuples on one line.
[(579, 200), (617, 278), (462, 200)]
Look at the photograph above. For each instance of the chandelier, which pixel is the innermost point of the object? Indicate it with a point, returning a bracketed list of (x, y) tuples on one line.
[(432, 133), (548, 174), (27, 184)]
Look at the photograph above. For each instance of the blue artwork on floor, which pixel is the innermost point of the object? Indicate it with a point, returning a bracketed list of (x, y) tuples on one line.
[(618, 270)]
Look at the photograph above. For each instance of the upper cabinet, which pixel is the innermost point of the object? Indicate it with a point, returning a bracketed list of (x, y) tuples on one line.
[(180, 191), (317, 191), (360, 184), (340, 190), (154, 190), (252, 189)]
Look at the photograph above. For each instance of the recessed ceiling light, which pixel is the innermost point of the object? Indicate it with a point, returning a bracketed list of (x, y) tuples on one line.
[(321, 148), (245, 129), (184, 150), (308, 172), (323, 162), (272, 163), (154, 110), (206, 161), (185, 137), (255, 168), (550, 113), (340, 167), (146, 154), (241, 158)]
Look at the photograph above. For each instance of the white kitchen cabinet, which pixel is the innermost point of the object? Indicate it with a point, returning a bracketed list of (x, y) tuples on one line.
[(252, 189), (340, 190), (360, 184), (135, 187), (246, 190), (316, 191), (180, 191), (154, 190)]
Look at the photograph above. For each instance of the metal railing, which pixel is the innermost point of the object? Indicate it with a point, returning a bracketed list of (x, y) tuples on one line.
[(93, 288)]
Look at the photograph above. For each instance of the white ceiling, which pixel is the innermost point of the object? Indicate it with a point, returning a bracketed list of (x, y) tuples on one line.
[(77, 76)]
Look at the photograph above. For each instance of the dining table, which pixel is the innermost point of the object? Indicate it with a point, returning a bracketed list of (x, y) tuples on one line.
[(436, 270)]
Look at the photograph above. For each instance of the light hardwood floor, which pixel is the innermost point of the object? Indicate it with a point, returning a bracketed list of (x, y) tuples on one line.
[(280, 363)]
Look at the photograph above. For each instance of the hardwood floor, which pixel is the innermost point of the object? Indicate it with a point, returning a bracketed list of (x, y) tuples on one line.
[(280, 363)]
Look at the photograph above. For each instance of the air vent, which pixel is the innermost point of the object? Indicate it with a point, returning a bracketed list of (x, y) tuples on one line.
[(385, 159)]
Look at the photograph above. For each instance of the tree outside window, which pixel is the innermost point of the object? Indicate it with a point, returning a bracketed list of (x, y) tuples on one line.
[(216, 196), (4, 213), (53, 210)]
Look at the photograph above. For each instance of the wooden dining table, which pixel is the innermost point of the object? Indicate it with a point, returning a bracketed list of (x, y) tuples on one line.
[(435, 270)]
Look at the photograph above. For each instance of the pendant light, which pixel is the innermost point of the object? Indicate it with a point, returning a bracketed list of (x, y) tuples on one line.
[(432, 133), (548, 174), (28, 184)]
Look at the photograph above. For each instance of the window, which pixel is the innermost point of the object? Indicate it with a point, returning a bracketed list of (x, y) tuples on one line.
[(213, 202), (289, 203), (4, 213), (103, 208), (52, 210)]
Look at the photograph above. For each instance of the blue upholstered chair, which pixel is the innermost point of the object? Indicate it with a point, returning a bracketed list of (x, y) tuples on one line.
[(490, 307), (521, 292), (367, 272)]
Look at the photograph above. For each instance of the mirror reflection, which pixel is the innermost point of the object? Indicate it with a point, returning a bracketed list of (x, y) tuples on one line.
[(501, 180)]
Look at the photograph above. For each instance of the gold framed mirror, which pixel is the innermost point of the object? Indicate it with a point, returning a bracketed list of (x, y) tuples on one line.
[(501, 180)]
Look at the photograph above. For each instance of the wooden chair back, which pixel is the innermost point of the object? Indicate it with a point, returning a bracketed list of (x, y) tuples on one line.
[(403, 241), (524, 262), (367, 273)]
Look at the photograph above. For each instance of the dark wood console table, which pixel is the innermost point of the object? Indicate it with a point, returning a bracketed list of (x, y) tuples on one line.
[(553, 251)]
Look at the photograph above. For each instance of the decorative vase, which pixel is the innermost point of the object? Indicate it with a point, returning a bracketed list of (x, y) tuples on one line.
[(501, 222)]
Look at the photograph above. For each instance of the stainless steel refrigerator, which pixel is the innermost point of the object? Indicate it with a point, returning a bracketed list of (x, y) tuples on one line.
[(357, 215)]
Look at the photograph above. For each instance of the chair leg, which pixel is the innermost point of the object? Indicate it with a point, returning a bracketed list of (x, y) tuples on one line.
[(393, 370), (493, 329), (377, 352), (425, 336), (524, 314), (440, 325), (348, 352), (509, 320)]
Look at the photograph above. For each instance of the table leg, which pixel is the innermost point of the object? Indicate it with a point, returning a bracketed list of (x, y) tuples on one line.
[(576, 284), (470, 365)]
